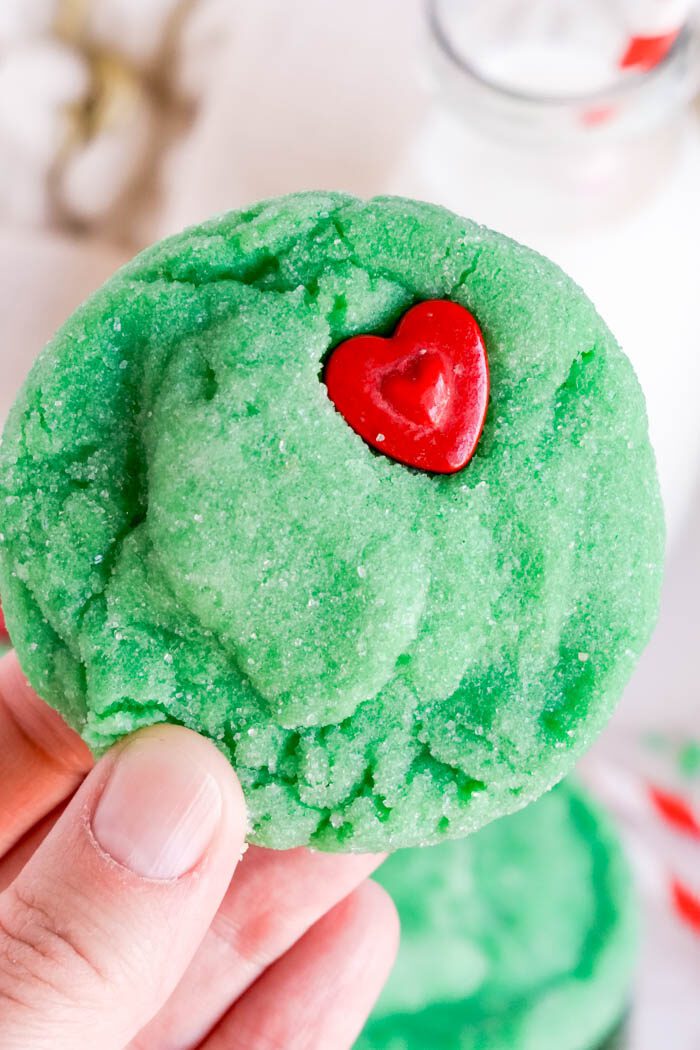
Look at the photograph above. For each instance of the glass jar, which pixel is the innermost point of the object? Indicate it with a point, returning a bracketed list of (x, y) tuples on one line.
[(537, 125)]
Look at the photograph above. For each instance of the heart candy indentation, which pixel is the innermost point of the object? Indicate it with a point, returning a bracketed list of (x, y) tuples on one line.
[(419, 389), (420, 396)]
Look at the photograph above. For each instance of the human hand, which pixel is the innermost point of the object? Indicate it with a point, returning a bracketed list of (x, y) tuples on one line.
[(120, 925)]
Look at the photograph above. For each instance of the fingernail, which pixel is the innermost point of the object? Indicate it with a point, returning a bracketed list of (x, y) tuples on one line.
[(159, 809)]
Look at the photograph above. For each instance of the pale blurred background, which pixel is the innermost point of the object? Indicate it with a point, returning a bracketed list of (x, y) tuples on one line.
[(123, 120)]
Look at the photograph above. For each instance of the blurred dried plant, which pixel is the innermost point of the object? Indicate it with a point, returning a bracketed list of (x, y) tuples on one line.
[(93, 96)]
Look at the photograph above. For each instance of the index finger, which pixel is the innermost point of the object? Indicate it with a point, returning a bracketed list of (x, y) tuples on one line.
[(42, 761)]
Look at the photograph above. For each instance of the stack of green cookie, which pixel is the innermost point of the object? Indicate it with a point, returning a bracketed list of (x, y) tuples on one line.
[(521, 937)]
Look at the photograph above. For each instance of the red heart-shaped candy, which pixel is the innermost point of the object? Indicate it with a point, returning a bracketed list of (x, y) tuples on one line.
[(419, 397)]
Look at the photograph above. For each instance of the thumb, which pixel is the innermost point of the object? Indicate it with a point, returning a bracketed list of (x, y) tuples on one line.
[(100, 925)]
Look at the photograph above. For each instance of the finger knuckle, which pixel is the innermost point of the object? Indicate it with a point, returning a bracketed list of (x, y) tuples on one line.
[(256, 938), (37, 948)]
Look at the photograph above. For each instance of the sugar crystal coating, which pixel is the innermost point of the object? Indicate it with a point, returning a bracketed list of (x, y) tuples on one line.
[(192, 533), (521, 937)]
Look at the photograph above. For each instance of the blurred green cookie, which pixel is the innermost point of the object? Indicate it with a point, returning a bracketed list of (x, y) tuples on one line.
[(192, 533), (521, 937)]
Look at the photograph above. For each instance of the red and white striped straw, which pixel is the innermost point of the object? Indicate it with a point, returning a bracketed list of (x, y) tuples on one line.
[(654, 28), (662, 835)]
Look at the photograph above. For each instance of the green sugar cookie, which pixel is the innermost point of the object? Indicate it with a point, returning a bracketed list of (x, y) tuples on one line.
[(191, 532), (521, 937)]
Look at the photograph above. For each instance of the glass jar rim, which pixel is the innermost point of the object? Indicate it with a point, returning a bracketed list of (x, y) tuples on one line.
[(624, 89)]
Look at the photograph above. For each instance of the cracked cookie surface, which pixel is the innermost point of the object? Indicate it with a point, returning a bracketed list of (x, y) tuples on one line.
[(192, 533)]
